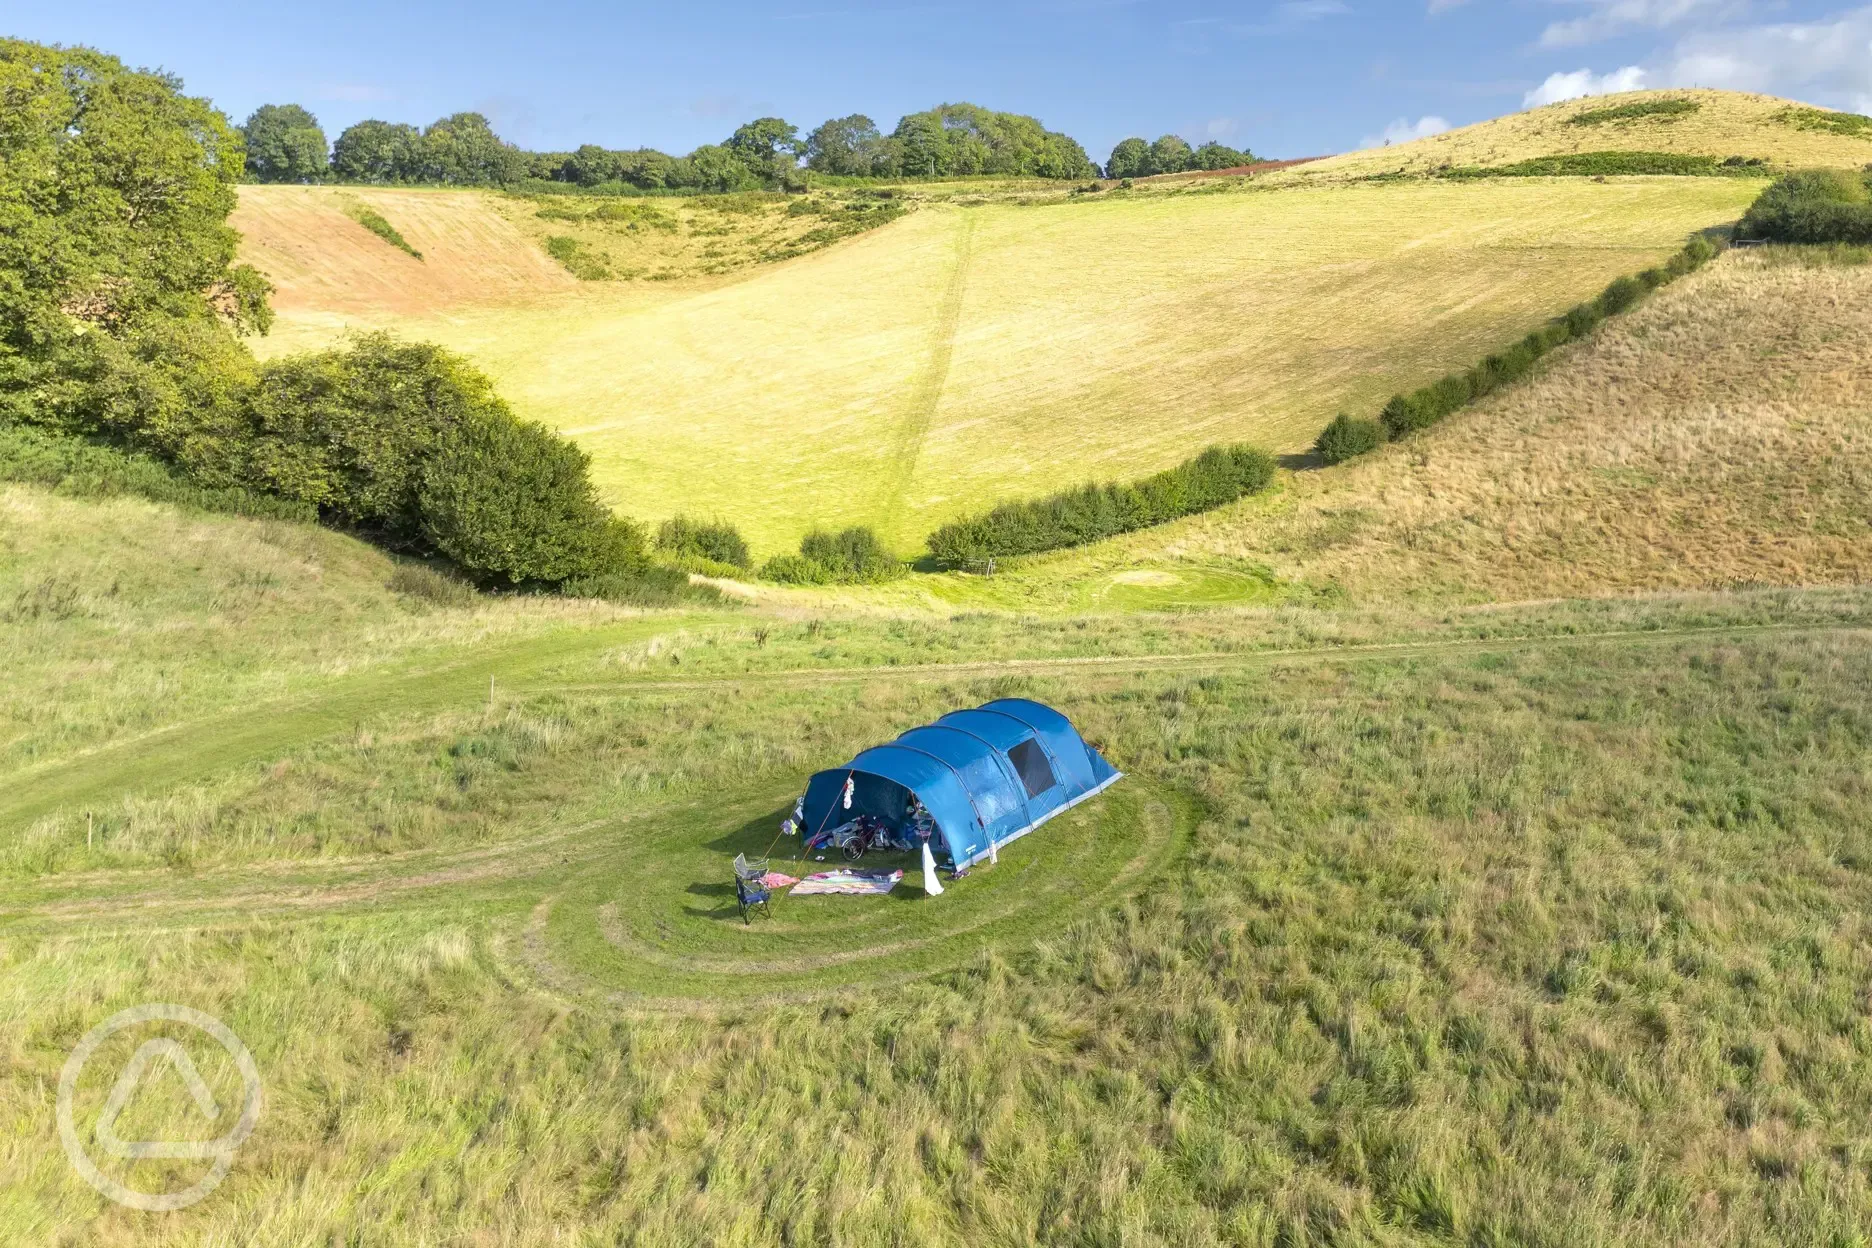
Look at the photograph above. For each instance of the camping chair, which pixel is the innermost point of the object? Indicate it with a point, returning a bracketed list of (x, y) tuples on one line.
[(750, 886)]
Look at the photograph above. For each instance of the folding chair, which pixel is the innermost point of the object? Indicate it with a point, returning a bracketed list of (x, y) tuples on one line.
[(750, 886)]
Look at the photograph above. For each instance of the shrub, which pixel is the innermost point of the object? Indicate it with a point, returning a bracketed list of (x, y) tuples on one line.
[(1621, 296), (713, 540), (510, 501), (1610, 164), (1854, 125), (579, 262), (374, 221), (1347, 437), (1814, 206), (74, 466), (851, 555), (348, 429), (1582, 319), (1665, 110), (1090, 513)]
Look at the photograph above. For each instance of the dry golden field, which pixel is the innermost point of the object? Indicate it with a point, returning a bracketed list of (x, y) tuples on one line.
[(1719, 436), (1724, 124)]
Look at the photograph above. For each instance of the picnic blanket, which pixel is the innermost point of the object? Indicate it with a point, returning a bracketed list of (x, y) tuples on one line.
[(848, 883), (778, 879)]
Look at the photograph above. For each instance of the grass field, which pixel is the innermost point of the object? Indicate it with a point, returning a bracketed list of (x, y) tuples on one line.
[(1535, 925), (966, 354)]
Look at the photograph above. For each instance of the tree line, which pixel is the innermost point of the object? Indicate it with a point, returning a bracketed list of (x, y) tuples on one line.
[(285, 143), (1135, 158)]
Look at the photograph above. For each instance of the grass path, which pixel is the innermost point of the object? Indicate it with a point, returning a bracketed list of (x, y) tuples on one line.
[(253, 734)]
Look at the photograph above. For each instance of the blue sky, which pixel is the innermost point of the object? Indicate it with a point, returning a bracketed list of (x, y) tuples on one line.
[(1284, 77)]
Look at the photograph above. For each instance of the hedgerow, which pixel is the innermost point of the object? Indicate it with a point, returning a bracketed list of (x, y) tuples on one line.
[(1346, 437), (1665, 110), (1615, 164), (1092, 512)]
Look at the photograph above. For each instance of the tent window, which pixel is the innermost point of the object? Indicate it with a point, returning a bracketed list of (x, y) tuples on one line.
[(1031, 762)]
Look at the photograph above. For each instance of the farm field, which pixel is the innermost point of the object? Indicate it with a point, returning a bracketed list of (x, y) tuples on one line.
[(969, 354)]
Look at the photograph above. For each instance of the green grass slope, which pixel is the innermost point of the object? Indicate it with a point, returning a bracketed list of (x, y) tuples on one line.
[(966, 354)]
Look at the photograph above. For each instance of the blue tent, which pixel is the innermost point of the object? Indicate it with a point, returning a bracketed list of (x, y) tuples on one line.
[(986, 777)]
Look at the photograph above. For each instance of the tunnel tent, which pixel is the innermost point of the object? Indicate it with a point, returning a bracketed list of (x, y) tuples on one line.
[(986, 776)]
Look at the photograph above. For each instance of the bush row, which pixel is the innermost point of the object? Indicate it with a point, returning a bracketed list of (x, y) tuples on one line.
[(83, 469), (1348, 436), (1616, 164), (851, 556), (1092, 512)]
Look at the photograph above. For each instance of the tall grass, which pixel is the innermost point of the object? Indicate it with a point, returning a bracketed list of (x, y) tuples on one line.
[(1421, 408)]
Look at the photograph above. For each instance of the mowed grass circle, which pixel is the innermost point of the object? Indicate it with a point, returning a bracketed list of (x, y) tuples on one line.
[(660, 920)]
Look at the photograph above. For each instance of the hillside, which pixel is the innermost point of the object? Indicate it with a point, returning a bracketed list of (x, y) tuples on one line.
[(1718, 123), (329, 271), (1719, 435), (965, 353)]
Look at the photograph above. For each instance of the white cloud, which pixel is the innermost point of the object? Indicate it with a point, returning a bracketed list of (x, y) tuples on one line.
[(1611, 17), (1583, 82), (1827, 62), (1403, 130), (1220, 128), (1830, 58)]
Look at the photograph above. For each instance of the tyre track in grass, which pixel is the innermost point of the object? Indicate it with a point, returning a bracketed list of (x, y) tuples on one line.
[(926, 390)]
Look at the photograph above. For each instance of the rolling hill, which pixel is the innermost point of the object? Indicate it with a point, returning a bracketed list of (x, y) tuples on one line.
[(1696, 122), (1716, 436), (1009, 343)]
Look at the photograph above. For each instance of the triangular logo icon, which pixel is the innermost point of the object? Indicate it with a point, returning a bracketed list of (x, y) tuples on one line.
[(127, 1083)]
